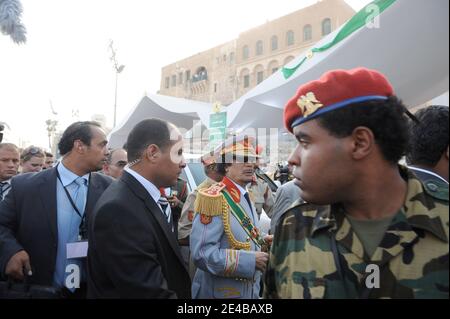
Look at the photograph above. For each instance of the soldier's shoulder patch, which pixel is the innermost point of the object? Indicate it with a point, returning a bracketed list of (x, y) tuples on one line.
[(436, 189)]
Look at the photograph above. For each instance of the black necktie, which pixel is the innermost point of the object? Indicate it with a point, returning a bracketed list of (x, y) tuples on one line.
[(248, 201)]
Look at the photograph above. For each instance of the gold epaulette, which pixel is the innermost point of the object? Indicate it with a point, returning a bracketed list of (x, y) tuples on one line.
[(209, 200)]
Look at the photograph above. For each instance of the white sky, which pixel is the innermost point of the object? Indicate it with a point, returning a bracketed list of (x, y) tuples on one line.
[(66, 57)]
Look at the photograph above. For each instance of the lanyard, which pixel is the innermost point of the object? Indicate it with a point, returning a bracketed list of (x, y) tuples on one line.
[(82, 231)]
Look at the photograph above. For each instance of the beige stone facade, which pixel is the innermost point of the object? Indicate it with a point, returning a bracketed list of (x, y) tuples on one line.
[(224, 73)]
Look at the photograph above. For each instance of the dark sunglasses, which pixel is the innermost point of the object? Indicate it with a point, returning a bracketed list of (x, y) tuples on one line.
[(33, 151), (30, 152)]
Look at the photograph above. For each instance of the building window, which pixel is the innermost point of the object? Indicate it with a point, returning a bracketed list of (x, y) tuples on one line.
[(274, 70), (307, 33), (188, 75), (224, 58), (215, 87), (290, 38), (174, 80), (245, 52), (259, 77), (246, 81), (167, 84), (231, 57), (180, 78), (326, 26), (259, 47), (274, 43), (200, 75)]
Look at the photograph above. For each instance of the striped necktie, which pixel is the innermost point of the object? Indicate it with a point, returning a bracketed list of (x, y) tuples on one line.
[(165, 207), (4, 187)]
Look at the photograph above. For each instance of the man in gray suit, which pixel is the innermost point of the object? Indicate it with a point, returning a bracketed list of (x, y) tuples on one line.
[(285, 196)]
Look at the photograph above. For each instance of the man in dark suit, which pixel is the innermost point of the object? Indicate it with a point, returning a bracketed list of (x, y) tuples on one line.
[(43, 212), (133, 251)]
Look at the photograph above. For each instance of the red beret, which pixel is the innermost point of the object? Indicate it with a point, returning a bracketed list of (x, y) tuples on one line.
[(334, 90)]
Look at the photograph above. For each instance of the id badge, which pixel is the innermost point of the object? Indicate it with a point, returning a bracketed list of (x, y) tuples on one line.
[(77, 249)]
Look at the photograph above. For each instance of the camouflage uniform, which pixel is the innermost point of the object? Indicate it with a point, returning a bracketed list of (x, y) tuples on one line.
[(261, 196), (412, 257), (432, 182), (181, 192)]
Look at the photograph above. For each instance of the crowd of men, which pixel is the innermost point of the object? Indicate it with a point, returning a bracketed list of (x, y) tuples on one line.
[(353, 223)]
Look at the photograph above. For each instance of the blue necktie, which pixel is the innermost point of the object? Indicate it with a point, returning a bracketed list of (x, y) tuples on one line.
[(81, 194), (79, 198)]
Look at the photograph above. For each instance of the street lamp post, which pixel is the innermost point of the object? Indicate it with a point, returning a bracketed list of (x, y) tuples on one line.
[(118, 68), (51, 129)]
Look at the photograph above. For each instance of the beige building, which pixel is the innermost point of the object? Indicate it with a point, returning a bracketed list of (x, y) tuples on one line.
[(224, 73)]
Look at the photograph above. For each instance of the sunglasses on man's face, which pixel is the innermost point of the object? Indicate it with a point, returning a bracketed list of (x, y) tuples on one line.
[(244, 159)]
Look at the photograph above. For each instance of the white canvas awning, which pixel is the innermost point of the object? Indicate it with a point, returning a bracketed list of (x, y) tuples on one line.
[(181, 112)]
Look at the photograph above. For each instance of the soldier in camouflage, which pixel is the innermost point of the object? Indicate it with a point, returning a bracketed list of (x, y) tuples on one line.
[(428, 153), (366, 226)]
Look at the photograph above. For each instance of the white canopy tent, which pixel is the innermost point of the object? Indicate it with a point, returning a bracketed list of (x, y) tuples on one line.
[(181, 112), (410, 46)]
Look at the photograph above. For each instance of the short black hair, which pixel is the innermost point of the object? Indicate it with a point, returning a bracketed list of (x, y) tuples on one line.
[(147, 132), (429, 138), (77, 131), (110, 154), (385, 118)]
